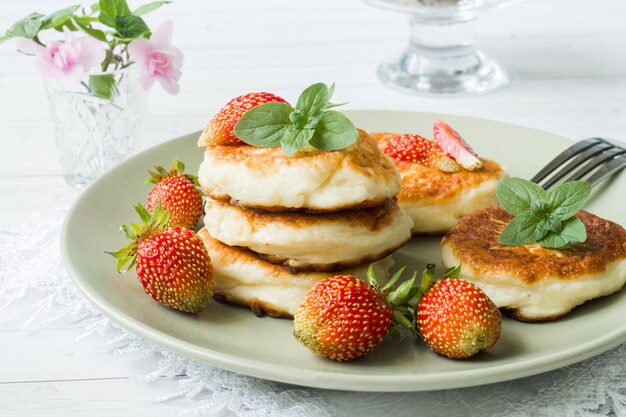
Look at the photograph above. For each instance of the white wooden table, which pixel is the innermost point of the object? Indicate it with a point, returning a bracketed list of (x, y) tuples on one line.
[(567, 59)]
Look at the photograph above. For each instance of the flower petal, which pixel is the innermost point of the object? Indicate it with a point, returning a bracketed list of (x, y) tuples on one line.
[(92, 52), (31, 47), (176, 57), (162, 37), (139, 49), (145, 79), (169, 85)]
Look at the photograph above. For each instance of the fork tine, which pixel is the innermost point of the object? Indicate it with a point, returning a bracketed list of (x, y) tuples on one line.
[(565, 156), (577, 160), (610, 168), (601, 159)]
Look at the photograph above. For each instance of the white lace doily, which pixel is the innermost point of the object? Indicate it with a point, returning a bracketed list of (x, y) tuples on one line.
[(30, 261)]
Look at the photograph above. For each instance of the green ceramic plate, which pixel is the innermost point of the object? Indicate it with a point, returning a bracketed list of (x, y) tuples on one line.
[(233, 338)]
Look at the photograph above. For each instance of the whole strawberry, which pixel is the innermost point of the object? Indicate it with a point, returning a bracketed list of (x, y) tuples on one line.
[(456, 319), (173, 265), (415, 148), (343, 318), (219, 131), (177, 193)]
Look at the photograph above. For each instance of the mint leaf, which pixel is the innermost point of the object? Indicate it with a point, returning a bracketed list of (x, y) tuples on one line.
[(130, 27), (264, 125), (295, 139), (524, 229), (59, 17), (149, 7), (103, 86), (110, 9), (566, 199), (279, 124), (313, 100), (27, 28), (554, 224), (516, 194), (573, 232), (335, 131)]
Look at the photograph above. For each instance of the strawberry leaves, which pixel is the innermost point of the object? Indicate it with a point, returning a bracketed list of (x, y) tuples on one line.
[(309, 123), (545, 218)]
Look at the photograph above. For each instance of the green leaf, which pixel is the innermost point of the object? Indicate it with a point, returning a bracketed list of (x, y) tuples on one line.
[(313, 100), (516, 194), (566, 199), (149, 7), (130, 27), (27, 28), (144, 214), (554, 224), (573, 232), (84, 24), (540, 208), (522, 230), (103, 86), (264, 125), (335, 131), (110, 10), (394, 278), (452, 272), (59, 17), (399, 318), (294, 139)]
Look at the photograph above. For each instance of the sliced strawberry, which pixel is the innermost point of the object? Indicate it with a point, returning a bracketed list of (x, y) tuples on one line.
[(415, 148), (454, 146), (219, 131)]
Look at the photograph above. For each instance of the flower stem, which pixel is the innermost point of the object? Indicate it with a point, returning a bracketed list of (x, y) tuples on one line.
[(109, 56)]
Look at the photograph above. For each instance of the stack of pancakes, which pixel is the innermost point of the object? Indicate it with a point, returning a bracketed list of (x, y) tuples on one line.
[(276, 225)]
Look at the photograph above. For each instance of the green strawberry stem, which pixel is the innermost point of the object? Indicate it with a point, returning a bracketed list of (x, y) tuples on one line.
[(177, 168), (150, 224)]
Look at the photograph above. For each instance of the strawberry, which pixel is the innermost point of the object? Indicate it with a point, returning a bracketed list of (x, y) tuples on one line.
[(177, 193), (415, 148), (219, 131), (343, 318), (454, 146), (456, 318), (173, 265)]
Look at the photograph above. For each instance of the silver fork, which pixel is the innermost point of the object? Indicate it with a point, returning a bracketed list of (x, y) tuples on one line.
[(591, 160)]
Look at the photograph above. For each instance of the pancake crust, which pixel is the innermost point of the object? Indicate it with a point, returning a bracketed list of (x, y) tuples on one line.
[(433, 186), (592, 269), (312, 242), (475, 241), (356, 177), (241, 278)]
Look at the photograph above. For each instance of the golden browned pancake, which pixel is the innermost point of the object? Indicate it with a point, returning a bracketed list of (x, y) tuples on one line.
[(532, 282), (312, 242), (358, 176), (435, 199), (241, 278)]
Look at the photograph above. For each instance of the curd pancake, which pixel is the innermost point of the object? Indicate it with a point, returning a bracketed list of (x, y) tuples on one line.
[(531, 282), (358, 176), (241, 278), (435, 199), (312, 242)]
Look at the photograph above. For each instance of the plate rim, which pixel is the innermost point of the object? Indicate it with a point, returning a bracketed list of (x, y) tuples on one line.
[(327, 379)]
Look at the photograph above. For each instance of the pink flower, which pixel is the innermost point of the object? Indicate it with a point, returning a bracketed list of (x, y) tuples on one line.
[(68, 60), (158, 59)]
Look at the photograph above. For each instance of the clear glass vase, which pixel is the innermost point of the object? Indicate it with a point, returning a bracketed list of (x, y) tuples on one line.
[(92, 133)]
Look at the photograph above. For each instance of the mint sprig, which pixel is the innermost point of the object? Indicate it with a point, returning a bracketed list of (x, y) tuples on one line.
[(310, 123), (545, 218)]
